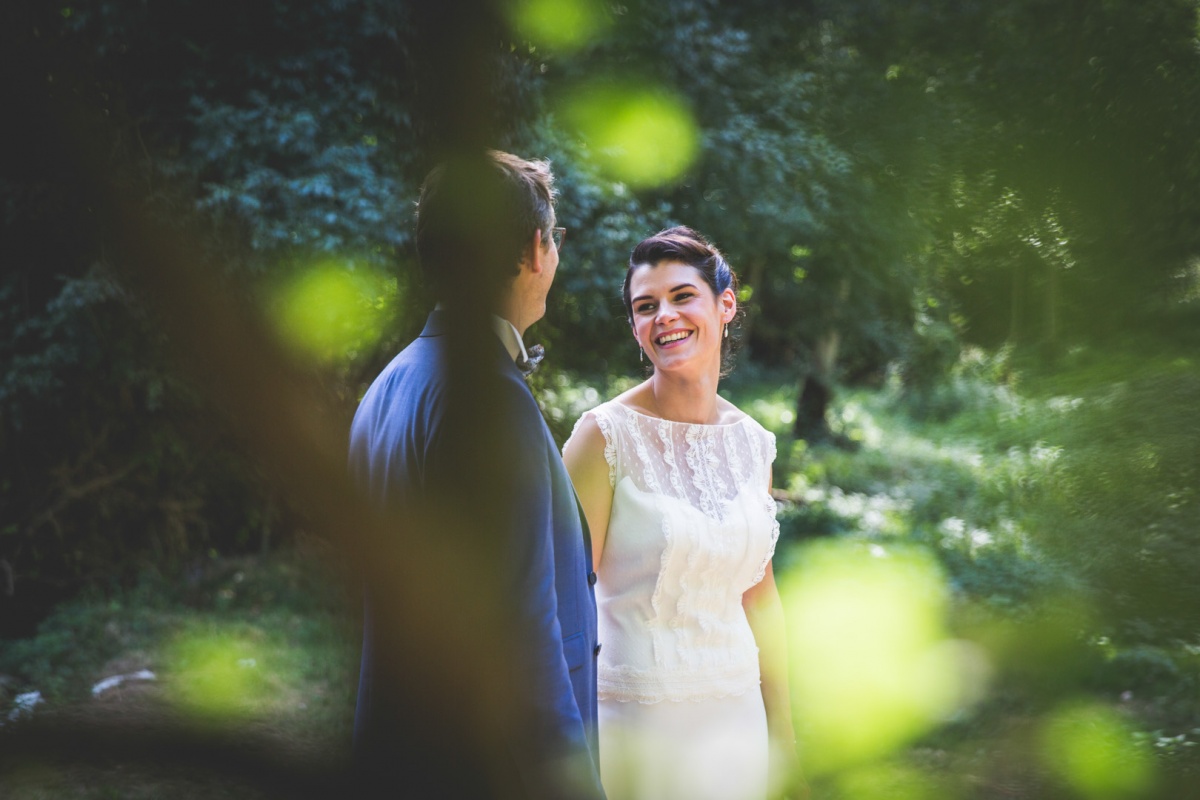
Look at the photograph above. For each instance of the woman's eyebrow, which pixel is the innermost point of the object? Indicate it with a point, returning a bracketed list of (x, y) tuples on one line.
[(639, 298)]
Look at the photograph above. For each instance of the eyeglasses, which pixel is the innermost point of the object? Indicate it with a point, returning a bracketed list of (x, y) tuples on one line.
[(558, 234)]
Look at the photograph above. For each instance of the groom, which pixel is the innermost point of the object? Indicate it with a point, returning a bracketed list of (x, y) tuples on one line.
[(451, 422)]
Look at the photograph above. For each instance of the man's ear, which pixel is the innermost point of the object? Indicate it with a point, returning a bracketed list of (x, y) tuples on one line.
[(532, 258)]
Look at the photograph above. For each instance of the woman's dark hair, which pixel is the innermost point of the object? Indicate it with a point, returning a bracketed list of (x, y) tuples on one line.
[(683, 244)]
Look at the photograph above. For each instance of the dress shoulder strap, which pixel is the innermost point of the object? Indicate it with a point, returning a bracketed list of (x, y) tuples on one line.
[(761, 443), (608, 422)]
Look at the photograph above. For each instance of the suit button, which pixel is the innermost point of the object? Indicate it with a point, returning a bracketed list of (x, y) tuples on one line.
[(596, 652), (591, 579)]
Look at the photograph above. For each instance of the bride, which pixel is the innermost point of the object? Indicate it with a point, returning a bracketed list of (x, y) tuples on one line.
[(674, 482)]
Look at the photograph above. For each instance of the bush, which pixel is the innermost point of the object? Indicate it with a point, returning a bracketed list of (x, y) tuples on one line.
[(1121, 505)]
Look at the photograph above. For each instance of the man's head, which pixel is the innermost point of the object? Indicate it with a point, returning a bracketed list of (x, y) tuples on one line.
[(477, 220)]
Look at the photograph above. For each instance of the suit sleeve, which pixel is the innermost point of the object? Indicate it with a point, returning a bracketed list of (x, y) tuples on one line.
[(532, 582), (515, 483)]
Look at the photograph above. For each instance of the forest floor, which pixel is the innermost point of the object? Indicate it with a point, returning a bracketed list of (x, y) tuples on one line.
[(266, 645)]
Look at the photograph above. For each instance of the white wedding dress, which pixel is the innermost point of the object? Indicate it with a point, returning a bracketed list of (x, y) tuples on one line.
[(692, 527)]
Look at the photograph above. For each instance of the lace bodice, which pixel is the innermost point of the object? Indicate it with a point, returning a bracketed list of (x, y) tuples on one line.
[(692, 527)]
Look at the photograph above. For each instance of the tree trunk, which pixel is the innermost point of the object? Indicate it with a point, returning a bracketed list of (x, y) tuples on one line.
[(811, 424), (816, 388), (816, 391)]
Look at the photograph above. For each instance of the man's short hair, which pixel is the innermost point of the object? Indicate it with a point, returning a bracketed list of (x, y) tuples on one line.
[(476, 217)]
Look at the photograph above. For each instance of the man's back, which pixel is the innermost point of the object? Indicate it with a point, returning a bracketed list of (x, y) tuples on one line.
[(408, 447)]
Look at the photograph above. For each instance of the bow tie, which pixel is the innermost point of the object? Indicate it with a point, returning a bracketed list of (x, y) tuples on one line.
[(527, 365)]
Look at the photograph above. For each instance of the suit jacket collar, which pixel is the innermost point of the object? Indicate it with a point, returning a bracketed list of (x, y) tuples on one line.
[(438, 324)]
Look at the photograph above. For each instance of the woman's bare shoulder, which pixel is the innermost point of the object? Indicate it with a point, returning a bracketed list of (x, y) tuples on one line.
[(640, 398), (586, 438), (728, 413)]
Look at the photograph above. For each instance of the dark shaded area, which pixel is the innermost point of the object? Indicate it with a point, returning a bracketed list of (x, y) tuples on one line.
[(459, 718), (253, 760)]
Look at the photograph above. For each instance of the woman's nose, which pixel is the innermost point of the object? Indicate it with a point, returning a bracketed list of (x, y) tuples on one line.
[(666, 313)]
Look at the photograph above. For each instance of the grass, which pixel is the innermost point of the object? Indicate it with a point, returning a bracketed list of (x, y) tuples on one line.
[(262, 644)]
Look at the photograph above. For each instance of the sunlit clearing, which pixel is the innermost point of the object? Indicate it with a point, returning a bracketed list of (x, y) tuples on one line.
[(217, 676), (872, 665), (332, 311), (1090, 748), (638, 135), (559, 24)]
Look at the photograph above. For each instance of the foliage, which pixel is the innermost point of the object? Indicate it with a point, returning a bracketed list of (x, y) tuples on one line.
[(95, 426), (1061, 150), (960, 487), (975, 223), (1005, 487), (283, 134), (1122, 506)]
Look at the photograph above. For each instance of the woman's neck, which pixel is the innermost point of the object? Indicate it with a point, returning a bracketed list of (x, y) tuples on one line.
[(690, 398)]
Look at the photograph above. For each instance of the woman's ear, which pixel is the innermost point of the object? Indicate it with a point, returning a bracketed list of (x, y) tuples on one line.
[(728, 302)]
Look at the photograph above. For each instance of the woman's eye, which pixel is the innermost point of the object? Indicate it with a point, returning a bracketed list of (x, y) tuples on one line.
[(642, 309)]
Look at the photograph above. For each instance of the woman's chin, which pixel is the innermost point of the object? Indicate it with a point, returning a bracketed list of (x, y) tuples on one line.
[(681, 362)]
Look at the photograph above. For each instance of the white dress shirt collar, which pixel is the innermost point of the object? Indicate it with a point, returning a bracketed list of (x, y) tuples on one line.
[(510, 338)]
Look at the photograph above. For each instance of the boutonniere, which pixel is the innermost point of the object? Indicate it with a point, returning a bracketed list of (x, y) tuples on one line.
[(535, 354)]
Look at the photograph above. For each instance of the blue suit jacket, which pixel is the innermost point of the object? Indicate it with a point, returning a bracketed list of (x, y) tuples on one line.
[(400, 449)]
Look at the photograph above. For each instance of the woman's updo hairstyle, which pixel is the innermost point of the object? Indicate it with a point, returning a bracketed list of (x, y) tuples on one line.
[(683, 244)]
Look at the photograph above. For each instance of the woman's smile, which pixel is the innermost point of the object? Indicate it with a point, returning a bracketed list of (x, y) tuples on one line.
[(672, 338)]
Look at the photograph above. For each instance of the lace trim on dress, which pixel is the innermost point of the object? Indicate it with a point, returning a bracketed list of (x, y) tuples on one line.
[(628, 684), (756, 449), (734, 455), (703, 462), (673, 472), (771, 506), (674, 475), (610, 444), (762, 570)]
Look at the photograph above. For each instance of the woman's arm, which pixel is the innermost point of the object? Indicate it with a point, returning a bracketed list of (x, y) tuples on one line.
[(584, 456), (764, 611)]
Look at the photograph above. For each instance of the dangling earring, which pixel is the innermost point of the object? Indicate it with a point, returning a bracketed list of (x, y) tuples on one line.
[(641, 355), (726, 330)]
